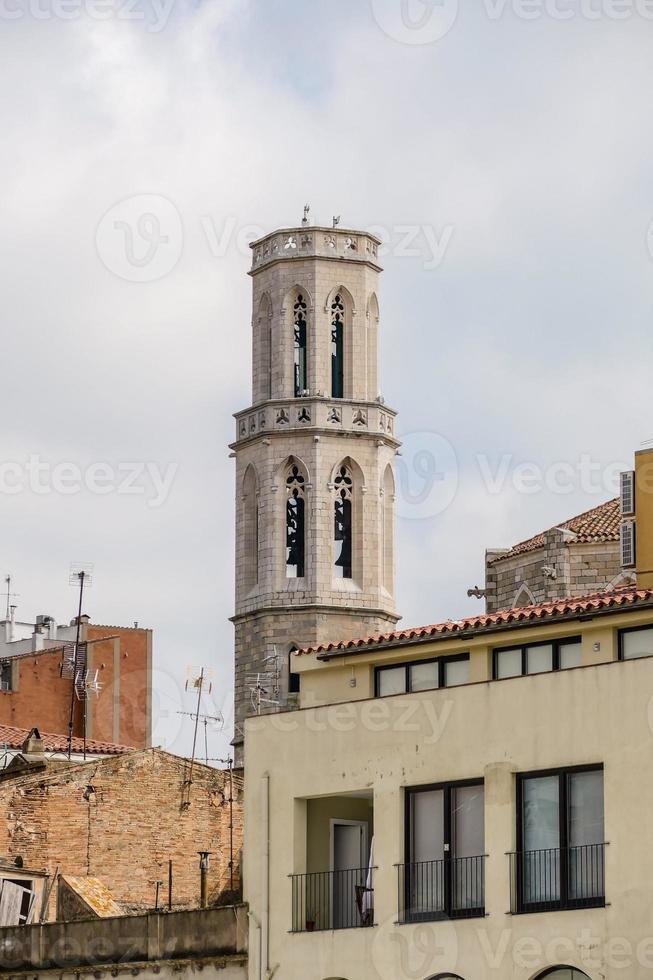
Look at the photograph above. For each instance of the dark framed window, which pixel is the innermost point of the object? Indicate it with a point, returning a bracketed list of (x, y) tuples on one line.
[(443, 873), (300, 333), (337, 347), (5, 675), (636, 642), (537, 658), (559, 863), (421, 675)]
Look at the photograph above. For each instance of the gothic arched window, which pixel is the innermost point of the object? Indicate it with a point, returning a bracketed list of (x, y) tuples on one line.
[(337, 347), (342, 535), (295, 529), (301, 345)]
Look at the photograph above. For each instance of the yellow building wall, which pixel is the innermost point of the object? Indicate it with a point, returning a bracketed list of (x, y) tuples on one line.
[(644, 517)]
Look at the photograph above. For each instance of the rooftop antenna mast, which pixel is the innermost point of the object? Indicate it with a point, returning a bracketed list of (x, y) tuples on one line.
[(81, 576), (10, 595), (265, 684), (229, 762), (197, 682)]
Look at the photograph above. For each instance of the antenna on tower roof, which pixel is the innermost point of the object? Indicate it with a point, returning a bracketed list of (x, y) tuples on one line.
[(307, 209)]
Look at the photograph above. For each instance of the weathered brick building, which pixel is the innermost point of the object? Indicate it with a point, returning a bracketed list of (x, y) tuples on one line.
[(34, 692), (576, 557), (121, 820)]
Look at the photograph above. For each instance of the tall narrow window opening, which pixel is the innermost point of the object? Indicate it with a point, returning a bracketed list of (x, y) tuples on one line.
[(337, 347), (251, 522), (342, 538), (301, 343), (293, 678), (295, 529)]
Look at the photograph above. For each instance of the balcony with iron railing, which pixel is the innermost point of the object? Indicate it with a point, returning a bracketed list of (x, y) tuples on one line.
[(450, 889), (557, 878), (332, 900)]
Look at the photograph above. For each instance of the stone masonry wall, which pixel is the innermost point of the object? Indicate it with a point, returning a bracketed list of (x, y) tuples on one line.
[(579, 569)]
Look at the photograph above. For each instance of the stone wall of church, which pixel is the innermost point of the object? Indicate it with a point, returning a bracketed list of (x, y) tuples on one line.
[(560, 568)]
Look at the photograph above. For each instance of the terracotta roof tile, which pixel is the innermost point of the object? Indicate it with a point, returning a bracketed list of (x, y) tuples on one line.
[(571, 606), (13, 738), (596, 525)]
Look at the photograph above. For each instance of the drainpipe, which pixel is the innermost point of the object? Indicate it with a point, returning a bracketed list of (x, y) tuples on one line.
[(257, 926), (265, 877)]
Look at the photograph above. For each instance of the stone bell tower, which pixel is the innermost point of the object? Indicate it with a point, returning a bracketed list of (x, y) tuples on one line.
[(314, 458)]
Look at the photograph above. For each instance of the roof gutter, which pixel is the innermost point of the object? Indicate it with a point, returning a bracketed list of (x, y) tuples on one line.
[(467, 634)]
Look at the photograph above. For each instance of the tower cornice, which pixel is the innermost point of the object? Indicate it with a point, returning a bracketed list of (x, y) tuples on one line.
[(315, 242)]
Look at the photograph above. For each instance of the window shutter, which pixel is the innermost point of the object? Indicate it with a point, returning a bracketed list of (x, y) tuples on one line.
[(627, 493), (627, 535)]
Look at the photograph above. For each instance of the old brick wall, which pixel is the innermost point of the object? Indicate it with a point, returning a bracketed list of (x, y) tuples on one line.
[(124, 665), (122, 711), (42, 696), (121, 820)]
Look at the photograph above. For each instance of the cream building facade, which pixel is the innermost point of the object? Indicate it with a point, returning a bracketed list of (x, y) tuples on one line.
[(314, 461), (469, 799), (501, 767)]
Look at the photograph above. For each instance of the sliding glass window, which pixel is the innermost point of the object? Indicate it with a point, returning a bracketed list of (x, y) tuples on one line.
[(537, 658)]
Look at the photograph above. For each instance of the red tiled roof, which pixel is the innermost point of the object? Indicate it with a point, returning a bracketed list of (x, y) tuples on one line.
[(13, 738), (556, 609), (598, 524)]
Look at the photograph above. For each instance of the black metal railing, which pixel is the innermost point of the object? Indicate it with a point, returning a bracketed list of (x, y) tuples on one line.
[(453, 888), (332, 900), (557, 878)]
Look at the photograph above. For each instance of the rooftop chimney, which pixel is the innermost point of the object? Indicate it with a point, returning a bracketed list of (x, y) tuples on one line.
[(37, 638), (34, 744), (10, 625)]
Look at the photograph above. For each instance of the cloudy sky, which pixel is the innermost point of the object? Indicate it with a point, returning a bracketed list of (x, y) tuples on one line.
[(504, 152)]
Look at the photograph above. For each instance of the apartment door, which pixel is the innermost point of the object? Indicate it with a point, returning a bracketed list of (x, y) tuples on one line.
[(349, 857)]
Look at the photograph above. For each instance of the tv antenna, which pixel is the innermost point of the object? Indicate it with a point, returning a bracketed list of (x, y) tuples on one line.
[(10, 595), (81, 576), (198, 681), (265, 684)]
